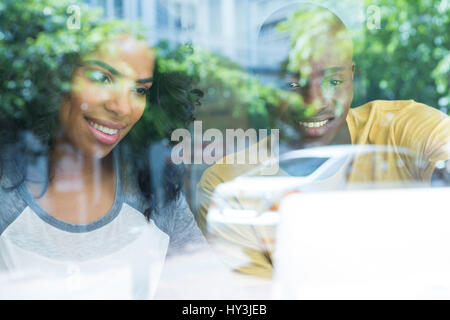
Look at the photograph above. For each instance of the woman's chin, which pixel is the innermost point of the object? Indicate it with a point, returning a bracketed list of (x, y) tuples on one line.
[(95, 151), (100, 152)]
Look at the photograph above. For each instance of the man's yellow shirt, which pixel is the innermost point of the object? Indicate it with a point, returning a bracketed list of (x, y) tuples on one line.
[(399, 124)]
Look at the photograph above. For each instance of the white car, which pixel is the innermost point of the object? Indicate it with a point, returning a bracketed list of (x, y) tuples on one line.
[(244, 211)]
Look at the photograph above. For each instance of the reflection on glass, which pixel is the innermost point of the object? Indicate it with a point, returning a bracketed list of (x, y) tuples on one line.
[(79, 200), (313, 80), (89, 187)]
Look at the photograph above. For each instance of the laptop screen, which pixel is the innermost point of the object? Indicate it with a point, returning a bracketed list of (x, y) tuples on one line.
[(376, 244)]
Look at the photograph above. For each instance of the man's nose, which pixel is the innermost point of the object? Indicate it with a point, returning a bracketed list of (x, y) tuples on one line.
[(312, 92)]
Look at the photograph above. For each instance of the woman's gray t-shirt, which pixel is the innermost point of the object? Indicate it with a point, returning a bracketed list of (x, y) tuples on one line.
[(123, 239)]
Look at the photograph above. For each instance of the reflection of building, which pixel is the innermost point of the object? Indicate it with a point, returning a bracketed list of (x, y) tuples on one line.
[(228, 27), (219, 25)]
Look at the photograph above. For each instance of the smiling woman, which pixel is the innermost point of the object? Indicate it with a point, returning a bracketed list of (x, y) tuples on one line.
[(102, 107), (113, 101), (77, 187)]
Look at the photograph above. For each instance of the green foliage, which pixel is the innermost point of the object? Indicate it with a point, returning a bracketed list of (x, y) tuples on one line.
[(310, 30), (408, 57), (227, 86), (221, 80), (38, 53)]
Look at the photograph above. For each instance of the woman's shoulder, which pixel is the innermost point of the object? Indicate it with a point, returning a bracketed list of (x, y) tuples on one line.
[(11, 202), (10, 166), (172, 214), (17, 158)]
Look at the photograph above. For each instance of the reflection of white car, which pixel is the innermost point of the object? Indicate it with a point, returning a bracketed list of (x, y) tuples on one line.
[(244, 211)]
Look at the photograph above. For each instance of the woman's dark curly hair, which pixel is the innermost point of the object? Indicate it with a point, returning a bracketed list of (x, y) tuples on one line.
[(38, 54), (171, 104)]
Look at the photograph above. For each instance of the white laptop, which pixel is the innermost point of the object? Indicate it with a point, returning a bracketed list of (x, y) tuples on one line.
[(369, 244)]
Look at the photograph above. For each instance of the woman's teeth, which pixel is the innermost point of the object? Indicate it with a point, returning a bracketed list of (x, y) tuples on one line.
[(313, 124), (103, 129)]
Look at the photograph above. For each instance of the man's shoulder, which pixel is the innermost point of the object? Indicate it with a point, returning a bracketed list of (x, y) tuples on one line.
[(223, 171), (394, 111), (228, 167), (392, 106), (380, 120)]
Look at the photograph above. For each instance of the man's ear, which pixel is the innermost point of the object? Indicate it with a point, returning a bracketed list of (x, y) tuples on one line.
[(353, 69)]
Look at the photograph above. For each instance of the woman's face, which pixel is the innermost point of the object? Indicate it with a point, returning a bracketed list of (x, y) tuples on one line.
[(108, 95)]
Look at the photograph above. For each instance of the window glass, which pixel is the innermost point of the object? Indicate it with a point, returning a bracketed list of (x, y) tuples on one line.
[(207, 148)]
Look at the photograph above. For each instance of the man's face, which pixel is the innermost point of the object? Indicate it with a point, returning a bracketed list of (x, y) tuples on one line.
[(324, 80)]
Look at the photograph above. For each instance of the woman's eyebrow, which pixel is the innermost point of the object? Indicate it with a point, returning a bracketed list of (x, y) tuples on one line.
[(104, 66), (146, 80), (111, 69)]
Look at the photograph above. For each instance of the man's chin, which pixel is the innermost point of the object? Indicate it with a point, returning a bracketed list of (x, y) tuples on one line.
[(314, 132)]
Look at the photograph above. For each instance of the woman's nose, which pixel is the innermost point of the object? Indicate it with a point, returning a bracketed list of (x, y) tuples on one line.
[(120, 102)]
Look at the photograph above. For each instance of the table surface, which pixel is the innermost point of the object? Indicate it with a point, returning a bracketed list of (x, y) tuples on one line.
[(197, 276)]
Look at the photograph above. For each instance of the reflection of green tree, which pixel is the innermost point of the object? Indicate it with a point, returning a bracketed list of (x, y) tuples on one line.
[(38, 53), (226, 86), (408, 57), (310, 31)]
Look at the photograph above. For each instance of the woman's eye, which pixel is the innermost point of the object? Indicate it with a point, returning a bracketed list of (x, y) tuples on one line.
[(141, 91), (98, 76)]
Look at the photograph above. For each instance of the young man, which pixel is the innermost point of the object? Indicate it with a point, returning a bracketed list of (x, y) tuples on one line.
[(320, 69)]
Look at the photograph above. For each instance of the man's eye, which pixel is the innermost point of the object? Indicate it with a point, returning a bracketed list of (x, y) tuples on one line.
[(335, 82), (98, 76)]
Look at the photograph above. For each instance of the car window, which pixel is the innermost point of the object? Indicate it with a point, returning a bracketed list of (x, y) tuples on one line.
[(301, 167)]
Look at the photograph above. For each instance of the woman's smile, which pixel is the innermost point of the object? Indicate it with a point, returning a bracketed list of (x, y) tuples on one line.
[(104, 131)]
